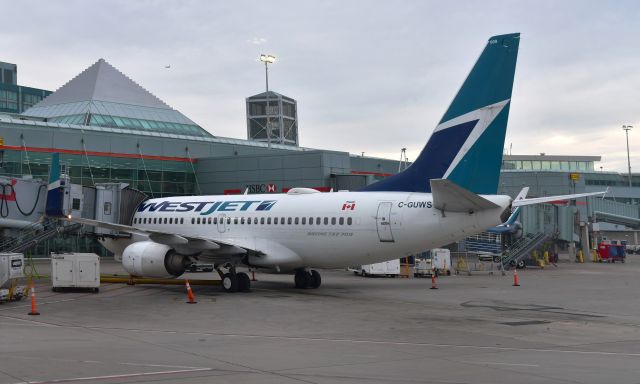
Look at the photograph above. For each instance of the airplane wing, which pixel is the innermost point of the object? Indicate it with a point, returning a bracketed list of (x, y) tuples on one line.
[(195, 243), (538, 200)]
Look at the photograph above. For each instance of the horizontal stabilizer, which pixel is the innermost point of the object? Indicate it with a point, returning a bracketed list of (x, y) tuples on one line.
[(539, 200), (450, 197)]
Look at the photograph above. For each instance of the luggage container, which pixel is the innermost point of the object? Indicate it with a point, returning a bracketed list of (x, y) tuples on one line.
[(75, 270)]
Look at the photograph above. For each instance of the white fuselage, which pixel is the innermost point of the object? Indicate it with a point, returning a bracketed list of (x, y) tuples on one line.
[(318, 229)]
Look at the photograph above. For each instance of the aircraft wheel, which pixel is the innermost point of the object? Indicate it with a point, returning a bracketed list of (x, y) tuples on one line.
[(520, 264), (230, 282), (302, 279), (316, 280), (244, 283)]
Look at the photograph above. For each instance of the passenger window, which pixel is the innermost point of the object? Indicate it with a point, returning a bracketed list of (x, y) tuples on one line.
[(182, 220), (295, 221), (326, 221), (333, 221), (341, 221), (275, 221), (289, 221), (282, 220), (198, 220), (318, 221), (262, 220), (155, 220), (165, 220), (349, 221), (209, 220), (304, 220), (255, 220), (242, 220), (249, 220), (235, 220), (228, 220), (268, 220), (215, 220), (193, 220)]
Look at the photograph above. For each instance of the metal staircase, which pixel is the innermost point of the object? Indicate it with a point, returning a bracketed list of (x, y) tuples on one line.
[(522, 247), (35, 233)]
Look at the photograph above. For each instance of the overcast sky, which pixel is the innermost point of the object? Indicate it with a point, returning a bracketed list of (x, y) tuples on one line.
[(369, 76)]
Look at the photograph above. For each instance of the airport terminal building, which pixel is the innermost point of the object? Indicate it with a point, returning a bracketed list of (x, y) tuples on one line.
[(109, 129)]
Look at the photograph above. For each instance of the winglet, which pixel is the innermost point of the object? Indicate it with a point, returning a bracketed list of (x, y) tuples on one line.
[(55, 189), (450, 197)]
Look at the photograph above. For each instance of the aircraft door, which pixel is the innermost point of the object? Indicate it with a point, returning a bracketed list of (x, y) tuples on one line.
[(222, 223), (383, 222)]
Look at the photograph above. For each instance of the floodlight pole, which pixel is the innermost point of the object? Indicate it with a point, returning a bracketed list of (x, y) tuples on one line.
[(266, 59), (627, 128)]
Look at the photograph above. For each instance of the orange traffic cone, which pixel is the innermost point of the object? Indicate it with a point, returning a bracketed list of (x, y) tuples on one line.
[(190, 293), (34, 310), (433, 280), (516, 282)]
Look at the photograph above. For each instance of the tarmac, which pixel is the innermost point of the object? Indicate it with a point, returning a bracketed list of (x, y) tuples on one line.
[(574, 323)]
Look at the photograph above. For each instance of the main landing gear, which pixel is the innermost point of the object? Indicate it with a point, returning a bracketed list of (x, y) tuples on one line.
[(307, 279), (233, 281)]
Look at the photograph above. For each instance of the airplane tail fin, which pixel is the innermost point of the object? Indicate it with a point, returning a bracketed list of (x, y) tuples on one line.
[(466, 146), (55, 190)]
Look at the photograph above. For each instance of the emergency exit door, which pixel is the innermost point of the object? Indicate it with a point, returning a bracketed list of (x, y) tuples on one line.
[(383, 222)]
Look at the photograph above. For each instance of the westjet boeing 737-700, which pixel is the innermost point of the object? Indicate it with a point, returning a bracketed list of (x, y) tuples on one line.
[(447, 194)]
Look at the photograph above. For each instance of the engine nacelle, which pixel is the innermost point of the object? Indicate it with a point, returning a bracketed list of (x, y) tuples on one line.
[(151, 259)]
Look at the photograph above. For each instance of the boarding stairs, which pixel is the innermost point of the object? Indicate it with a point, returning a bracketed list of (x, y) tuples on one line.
[(35, 233), (522, 247)]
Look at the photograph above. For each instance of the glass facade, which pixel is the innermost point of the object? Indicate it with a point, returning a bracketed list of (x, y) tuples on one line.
[(16, 98), (156, 178), (548, 165)]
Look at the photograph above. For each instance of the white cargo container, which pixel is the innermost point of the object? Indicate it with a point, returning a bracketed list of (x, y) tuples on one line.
[(11, 267), (386, 268), (75, 270)]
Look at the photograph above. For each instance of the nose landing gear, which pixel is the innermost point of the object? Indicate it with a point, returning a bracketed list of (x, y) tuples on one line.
[(233, 281)]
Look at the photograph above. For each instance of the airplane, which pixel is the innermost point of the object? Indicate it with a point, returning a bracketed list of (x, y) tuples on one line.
[(445, 195)]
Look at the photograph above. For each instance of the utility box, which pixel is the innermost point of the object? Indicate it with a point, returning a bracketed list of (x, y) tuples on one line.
[(75, 270), (11, 267)]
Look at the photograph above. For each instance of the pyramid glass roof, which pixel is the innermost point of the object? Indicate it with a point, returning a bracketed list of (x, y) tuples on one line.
[(103, 96)]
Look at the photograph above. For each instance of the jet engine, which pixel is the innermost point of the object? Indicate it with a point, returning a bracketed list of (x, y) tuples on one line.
[(151, 259)]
